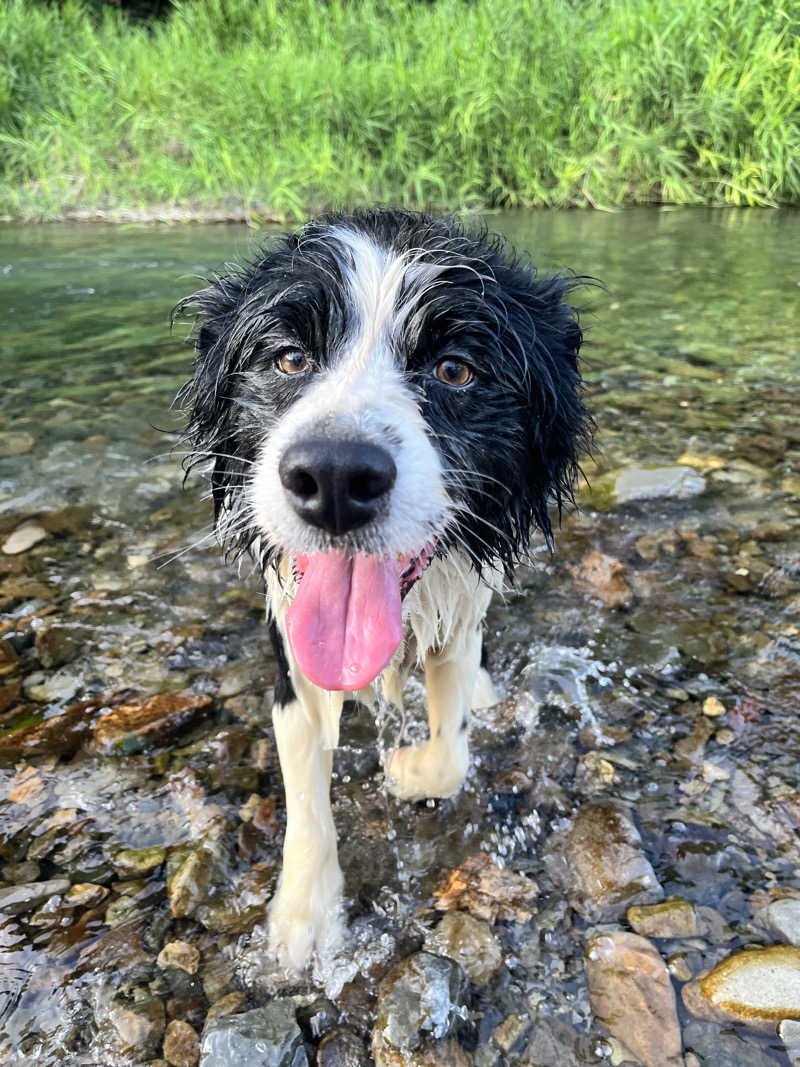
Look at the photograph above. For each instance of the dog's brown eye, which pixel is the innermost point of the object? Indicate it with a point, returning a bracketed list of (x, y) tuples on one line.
[(292, 363), (454, 372)]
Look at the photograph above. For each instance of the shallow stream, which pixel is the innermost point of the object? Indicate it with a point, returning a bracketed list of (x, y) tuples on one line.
[(653, 661)]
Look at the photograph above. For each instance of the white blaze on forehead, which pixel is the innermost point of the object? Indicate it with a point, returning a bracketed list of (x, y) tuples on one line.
[(364, 395)]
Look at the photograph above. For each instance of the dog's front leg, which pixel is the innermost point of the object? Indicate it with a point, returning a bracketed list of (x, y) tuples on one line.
[(438, 767), (304, 914)]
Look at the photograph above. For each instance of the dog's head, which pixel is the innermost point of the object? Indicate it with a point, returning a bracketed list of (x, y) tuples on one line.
[(380, 387)]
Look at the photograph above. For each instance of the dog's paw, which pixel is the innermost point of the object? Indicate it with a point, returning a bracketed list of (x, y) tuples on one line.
[(484, 694), (433, 769), (306, 920)]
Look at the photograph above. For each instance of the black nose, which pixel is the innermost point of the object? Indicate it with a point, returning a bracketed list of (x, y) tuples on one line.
[(337, 485)]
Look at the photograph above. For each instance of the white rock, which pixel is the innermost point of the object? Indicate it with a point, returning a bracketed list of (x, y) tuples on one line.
[(641, 483), (23, 538)]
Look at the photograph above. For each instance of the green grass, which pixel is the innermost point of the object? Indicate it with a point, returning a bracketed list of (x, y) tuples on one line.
[(287, 106)]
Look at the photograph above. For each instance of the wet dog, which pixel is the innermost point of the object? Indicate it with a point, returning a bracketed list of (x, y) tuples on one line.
[(389, 404)]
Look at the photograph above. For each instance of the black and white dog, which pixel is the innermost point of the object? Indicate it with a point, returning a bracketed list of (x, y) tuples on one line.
[(389, 404)]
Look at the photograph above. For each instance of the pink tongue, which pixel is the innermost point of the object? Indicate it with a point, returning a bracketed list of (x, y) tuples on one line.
[(345, 622)]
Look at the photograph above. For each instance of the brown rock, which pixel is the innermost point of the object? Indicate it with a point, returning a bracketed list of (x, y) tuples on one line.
[(8, 657), (132, 727), (600, 863), (673, 917), (487, 891), (757, 987), (187, 887), (631, 994), (61, 734), (437, 1054), (179, 954), (468, 941), (181, 1044), (230, 1004), (139, 1026), (603, 577), (342, 1048)]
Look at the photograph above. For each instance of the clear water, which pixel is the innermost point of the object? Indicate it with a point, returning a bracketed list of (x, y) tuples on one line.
[(693, 350)]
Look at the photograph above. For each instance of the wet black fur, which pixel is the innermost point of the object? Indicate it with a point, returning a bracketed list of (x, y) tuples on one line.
[(512, 439)]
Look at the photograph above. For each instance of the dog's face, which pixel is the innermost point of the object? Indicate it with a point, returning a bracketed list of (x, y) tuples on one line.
[(384, 386)]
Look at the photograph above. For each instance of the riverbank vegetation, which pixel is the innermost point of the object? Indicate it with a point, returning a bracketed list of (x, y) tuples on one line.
[(280, 107)]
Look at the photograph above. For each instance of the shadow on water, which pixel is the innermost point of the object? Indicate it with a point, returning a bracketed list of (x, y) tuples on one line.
[(650, 673)]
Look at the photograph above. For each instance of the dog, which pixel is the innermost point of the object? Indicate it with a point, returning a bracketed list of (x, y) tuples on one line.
[(388, 403)]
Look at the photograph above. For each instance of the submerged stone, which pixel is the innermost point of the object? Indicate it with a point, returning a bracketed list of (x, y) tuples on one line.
[(342, 1048), (643, 483), (603, 577), (27, 896), (179, 954), (715, 1046), (673, 917), (138, 1025), (136, 862), (23, 538), (181, 1044), (631, 993), (757, 987), (129, 728), (15, 443), (468, 941), (600, 863), (44, 688), (263, 1037), (421, 998)]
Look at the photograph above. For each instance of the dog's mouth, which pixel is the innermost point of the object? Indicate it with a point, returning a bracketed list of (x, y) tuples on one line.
[(346, 620)]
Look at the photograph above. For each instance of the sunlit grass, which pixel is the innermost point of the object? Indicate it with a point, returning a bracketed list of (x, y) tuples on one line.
[(286, 107)]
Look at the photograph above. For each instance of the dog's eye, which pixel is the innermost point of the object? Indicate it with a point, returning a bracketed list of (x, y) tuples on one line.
[(454, 372), (292, 363)]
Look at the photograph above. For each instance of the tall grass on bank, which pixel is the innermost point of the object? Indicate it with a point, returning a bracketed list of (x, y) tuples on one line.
[(286, 106)]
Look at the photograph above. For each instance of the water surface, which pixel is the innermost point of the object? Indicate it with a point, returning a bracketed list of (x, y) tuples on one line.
[(692, 358)]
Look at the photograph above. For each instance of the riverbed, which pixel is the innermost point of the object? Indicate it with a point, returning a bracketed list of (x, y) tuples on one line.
[(645, 746)]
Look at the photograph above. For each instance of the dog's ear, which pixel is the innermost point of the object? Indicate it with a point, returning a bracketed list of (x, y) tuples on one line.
[(543, 319), (205, 397)]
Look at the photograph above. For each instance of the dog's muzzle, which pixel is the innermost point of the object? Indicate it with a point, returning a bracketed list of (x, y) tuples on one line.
[(337, 485)]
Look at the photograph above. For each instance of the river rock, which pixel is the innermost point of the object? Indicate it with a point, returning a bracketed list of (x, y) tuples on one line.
[(139, 1025), (631, 993), (187, 884), (137, 862), (434, 1054), (556, 1044), (757, 987), (25, 897), (487, 890), (85, 895), (716, 1047), (468, 941), (57, 687), (23, 538), (779, 916), (600, 863), (342, 1048), (263, 1037), (673, 917), (603, 577), (181, 1044), (60, 734), (129, 728), (419, 999), (789, 1033), (643, 483), (15, 443), (229, 1004), (179, 954)]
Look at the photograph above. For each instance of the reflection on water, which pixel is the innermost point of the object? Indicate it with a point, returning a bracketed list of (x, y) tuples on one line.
[(608, 656)]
